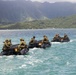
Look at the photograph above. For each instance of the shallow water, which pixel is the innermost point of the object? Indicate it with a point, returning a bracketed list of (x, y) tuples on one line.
[(59, 59)]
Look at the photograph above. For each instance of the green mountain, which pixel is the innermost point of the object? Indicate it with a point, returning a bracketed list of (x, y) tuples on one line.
[(63, 22), (26, 10)]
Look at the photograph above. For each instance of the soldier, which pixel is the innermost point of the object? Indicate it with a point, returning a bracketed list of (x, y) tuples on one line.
[(66, 38), (22, 44), (57, 38), (32, 41), (45, 39), (7, 44)]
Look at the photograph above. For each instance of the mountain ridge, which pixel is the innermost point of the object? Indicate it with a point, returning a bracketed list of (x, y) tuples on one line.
[(16, 11)]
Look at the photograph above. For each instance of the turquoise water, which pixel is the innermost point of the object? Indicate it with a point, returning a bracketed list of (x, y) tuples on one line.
[(59, 59)]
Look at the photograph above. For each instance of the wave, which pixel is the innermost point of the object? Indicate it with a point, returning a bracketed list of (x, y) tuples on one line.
[(72, 40), (55, 42), (34, 48), (9, 57), (22, 66), (67, 63), (63, 42)]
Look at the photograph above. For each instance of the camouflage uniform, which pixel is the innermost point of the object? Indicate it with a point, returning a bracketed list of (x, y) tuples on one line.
[(57, 38), (32, 40), (45, 39), (65, 37), (22, 44), (7, 44)]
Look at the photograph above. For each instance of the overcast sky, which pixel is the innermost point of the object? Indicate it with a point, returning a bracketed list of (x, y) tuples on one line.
[(56, 0), (52, 1)]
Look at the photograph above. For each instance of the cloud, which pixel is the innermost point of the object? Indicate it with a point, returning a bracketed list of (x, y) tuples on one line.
[(55, 0), (7, 0), (52, 1)]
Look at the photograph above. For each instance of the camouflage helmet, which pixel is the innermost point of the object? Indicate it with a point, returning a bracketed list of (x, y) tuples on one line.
[(44, 36), (65, 34), (21, 39), (9, 40), (6, 40), (33, 36)]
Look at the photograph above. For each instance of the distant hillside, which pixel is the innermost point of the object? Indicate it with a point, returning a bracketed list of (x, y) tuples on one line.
[(63, 22), (20, 10)]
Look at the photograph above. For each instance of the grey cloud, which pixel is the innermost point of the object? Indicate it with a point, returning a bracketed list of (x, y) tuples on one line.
[(55, 0)]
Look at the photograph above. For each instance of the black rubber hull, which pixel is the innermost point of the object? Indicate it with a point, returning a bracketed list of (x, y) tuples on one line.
[(60, 41), (11, 51), (44, 45)]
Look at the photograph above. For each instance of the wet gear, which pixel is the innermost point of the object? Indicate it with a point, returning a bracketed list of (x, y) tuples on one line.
[(22, 44), (32, 41), (56, 38), (7, 44), (45, 39)]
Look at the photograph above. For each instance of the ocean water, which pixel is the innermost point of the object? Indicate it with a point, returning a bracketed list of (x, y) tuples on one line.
[(59, 59)]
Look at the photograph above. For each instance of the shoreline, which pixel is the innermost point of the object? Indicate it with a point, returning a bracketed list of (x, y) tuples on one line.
[(38, 29)]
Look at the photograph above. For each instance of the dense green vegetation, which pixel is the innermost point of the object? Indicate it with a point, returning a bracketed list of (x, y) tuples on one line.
[(63, 22)]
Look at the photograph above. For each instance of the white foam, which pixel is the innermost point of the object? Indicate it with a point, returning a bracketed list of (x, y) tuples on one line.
[(34, 49), (55, 42), (22, 66), (56, 58), (11, 56), (1, 56), (20, 56), (38, 61), (31, 63), (67, 63), (71, 40)]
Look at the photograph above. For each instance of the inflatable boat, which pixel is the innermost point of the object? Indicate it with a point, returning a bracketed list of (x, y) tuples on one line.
[(61, 40), (38, 44), (13, 50)]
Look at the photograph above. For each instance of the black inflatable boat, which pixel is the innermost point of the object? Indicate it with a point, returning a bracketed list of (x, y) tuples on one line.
[(13, 50)]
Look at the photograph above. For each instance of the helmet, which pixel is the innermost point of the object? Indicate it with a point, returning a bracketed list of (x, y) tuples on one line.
[(9, 40), (33, 36), (21, 39), (44, 36), (6, 40), (65, 35)]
